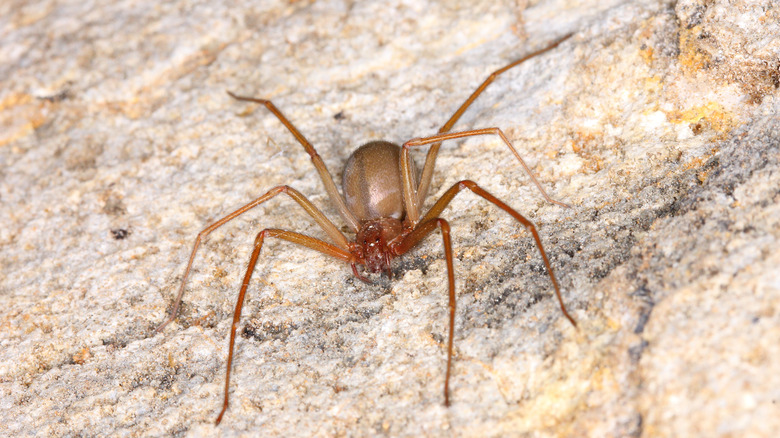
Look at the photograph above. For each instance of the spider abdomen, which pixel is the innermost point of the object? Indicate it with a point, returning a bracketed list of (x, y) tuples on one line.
[(371, 182)]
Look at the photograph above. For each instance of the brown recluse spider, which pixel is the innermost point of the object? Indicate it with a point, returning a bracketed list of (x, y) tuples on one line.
[(382, 206)]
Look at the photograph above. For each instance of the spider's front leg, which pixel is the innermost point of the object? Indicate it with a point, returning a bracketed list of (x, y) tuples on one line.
[(410, 241), (412, 204), (290, 236), (313, 211), (442, 203)]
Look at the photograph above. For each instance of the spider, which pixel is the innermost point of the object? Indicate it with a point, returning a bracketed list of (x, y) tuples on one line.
[(381, 204)]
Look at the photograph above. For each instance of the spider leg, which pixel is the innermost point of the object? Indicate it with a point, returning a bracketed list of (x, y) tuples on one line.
[(290, 236), (413, 202), (325, 176), (409, 242), (442, 203), (313, 211), (360, 276), (430, 159)]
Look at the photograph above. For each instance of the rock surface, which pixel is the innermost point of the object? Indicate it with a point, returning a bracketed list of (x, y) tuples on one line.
[(657, 121)]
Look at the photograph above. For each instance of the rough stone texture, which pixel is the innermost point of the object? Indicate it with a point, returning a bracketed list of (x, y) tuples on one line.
[(657, 121)]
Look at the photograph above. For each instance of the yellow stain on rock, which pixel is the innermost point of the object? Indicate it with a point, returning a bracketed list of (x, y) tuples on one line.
[(712, 115), (692, 58), (19, 116)]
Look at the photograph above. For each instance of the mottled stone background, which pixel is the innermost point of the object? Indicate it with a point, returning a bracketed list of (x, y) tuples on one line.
[(657, 121)]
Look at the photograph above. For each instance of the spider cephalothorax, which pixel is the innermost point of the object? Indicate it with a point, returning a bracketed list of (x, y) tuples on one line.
[(375, 240)]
